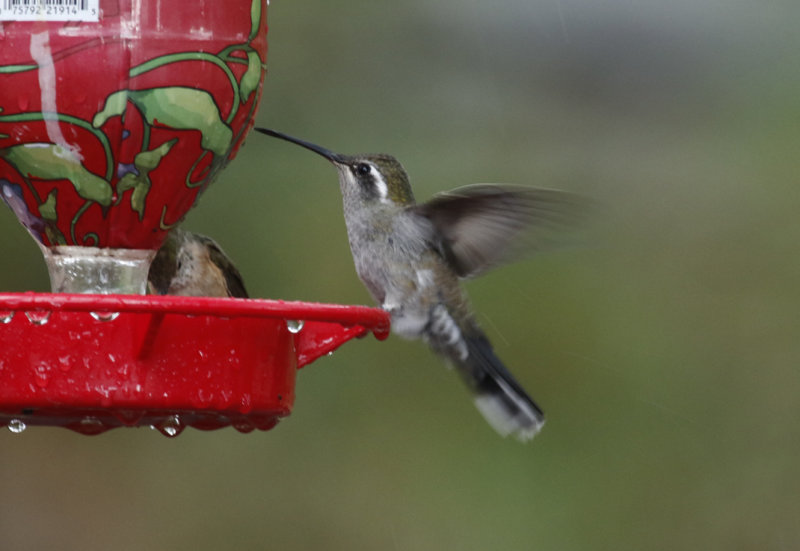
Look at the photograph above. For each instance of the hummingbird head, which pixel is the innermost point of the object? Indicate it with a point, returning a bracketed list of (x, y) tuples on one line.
[(374, 179), (367, 179)]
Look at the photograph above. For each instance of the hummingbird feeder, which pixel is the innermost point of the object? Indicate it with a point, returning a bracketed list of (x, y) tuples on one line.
[(115, 115)]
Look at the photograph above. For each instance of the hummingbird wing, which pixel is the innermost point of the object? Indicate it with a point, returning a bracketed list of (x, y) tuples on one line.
[(233, 279), (478, 225)]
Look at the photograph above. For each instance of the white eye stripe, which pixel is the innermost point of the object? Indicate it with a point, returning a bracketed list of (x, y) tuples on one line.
[(380, 185), (376, 179)]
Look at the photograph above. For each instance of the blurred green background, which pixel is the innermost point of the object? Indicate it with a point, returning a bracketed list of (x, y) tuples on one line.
[(665, 351)]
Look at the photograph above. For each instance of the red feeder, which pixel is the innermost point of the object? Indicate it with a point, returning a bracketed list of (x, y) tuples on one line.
[(111, 125), (95, 362), (115, 115)]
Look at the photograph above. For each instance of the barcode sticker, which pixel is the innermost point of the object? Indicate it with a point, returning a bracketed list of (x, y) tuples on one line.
[(49, 10)]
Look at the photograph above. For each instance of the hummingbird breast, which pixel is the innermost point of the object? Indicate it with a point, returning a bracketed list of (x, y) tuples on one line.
[(395, 259)]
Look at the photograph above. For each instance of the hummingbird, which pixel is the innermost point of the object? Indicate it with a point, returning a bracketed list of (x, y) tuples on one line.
[(191, 264), (411, 257)]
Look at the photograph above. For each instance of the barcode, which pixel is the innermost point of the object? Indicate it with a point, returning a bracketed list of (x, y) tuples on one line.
[(49, 10), (73, 3)]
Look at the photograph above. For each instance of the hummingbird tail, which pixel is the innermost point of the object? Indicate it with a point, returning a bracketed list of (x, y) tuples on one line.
[(498, 396)]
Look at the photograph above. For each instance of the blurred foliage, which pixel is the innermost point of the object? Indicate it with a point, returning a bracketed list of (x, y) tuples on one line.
[(665, 351)]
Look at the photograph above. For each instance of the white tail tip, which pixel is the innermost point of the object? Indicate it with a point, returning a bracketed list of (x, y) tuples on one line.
[(522, 424)]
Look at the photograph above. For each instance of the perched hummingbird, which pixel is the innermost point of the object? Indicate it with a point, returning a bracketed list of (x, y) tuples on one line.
[(191, 264), (410, 257)]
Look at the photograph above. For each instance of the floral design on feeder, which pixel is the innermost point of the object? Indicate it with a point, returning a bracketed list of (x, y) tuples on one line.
[(134, 117)]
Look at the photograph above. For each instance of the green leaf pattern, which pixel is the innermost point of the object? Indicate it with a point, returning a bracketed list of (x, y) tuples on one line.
[(140, 183), (47, 161), (175, 107), (255, 19), (251, 77), (48, 208), (48, 212)]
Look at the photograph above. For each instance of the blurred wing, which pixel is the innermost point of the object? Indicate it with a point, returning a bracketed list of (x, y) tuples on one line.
[(483, 225), (233, 279), (163, 266)]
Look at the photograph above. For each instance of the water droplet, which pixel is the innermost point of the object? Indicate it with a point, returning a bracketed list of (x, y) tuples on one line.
[(201, 399), (64, 363), (246, 404), (170, 427), (244, 426), (41, 379), (16, 426), (105, 316), (38, 317), (91, 425), (6, 317), (294, 326), (266, 423)]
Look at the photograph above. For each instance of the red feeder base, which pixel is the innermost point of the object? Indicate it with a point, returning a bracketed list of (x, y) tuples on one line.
[(95, 362)]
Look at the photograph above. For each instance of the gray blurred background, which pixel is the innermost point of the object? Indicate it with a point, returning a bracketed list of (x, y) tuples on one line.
[(664, 351)]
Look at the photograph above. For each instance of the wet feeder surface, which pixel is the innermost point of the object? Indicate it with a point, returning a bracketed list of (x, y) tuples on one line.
[(112, 124), (95, 362)]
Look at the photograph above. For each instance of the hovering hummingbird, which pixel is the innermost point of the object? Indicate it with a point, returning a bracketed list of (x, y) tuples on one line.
[(191, 264), (410, 257)]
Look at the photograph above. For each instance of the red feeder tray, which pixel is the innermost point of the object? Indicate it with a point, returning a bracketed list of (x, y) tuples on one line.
[(95, 362)]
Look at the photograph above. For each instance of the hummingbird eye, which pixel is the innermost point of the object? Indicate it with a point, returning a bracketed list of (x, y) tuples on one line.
[(362, 169)]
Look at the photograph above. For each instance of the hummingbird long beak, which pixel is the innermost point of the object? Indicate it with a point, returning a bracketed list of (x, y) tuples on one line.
[(327, 153)]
